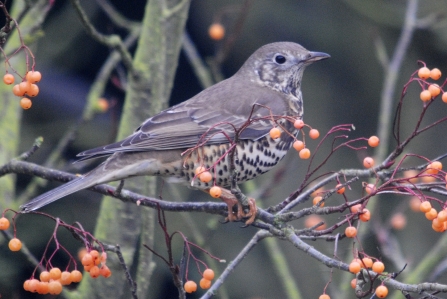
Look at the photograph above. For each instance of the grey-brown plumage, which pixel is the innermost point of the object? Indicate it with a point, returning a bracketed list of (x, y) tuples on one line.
[(267, 85)]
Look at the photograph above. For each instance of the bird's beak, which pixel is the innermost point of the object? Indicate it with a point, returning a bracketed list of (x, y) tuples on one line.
[(315, 56)]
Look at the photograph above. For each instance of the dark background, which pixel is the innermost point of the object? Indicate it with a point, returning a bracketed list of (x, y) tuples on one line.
[(345, 89)]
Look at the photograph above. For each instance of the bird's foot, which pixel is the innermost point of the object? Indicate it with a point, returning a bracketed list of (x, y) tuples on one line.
[(249, 213), (242, 212)]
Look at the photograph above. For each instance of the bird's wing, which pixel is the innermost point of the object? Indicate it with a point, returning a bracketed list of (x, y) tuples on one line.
[(212, 116)]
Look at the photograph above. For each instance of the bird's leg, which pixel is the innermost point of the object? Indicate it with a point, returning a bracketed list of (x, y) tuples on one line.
[(119, 188), (231, 201), (246, 207)]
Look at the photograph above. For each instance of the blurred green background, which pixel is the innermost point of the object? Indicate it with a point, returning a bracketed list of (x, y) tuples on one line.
[(345, 89)]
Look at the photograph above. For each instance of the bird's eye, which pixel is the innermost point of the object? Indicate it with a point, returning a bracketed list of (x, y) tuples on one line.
[(279, 59)]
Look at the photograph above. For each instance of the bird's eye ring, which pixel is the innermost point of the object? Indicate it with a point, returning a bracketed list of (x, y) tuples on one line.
[(279, 59)]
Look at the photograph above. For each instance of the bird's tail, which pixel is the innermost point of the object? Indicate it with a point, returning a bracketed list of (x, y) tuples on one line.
[(57, 193)]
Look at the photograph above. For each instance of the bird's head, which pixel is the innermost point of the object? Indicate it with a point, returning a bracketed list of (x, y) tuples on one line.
[(280, 66)]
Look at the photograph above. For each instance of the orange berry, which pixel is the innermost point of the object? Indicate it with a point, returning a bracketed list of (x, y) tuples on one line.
[(199, 170), (434, 167), (434, 90), (190, 286), (87, 260), (432, 214), (350, 232), (442, 216), (15, 244), (378, 267), (398, 221), (314, 134), (16, 91), (275, 133), (324, 296), (24, 86), (33, 285), (365, 216), (45, 276), (8, 79), (373, 141), (33, 90), (65, 278), (370, 188), (313, 220), (205, 177), (444, 97), (25, 103), (381, 291), (298, 124), (26, 284), (88, 267), (208, 274), (76, 276), (55, 287), (367, 262), (427, 178), (316, 200), (94, 272), (55, 273), (368, 162), (353, 283), (102, 105), (435, 74), (357, 260), (215, 192), (43, 288), (216, 31), (105, 271), (304, 153), (411, 176), (298, 145), (425, 206), (436, 223), (354, 267), (205, 283), (95, 254), (4, 223), (81, 252), (425, 95), (415, 202), (356, 208), (424, 73), (341, 190), (33, 76)]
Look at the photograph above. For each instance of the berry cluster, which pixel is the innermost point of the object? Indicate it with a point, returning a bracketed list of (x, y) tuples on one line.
[(298, 145), (205, 283), (367, 263), (27, 87), (95, 264), (54, 279), (430, 90), (51, 282)]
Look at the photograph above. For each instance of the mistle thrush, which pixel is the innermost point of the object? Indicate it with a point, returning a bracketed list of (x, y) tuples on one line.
[(239, 111)]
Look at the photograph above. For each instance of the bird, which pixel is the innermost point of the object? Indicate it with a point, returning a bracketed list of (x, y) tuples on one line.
[(224, 129)]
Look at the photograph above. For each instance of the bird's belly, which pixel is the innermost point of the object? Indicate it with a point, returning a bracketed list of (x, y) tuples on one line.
[(252, 158)]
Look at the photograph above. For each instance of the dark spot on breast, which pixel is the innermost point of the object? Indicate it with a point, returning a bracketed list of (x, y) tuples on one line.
[(220, 172)]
